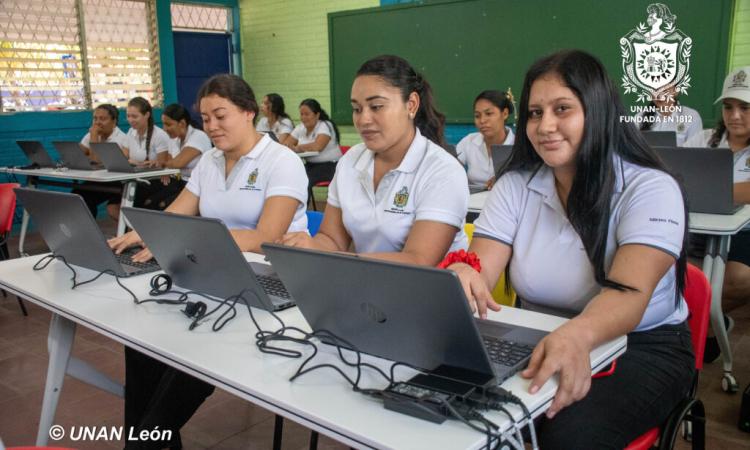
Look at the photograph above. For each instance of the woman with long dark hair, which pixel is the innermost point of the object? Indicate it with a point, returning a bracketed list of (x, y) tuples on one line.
[(275, 119), (398, 195), (592, 227)]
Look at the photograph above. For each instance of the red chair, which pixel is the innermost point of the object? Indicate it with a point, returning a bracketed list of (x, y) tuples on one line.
[(344, 149), (690, 413), (7, 212)]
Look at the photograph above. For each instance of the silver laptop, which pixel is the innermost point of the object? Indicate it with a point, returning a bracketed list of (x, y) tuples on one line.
[(71, 232), (707, 175), (36, 153), (73, 157), (660, 138), (114, 159), (413, 314), (200, 255)]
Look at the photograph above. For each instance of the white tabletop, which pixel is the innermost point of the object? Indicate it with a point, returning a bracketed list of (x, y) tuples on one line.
[(304, 155), (229, 359), (87, 175)]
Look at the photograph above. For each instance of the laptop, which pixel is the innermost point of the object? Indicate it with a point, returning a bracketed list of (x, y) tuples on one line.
[(71, 232), (115, 160), (36, 153), (73, 157), (452, 150), (413, 314), (200, 255), (707, 175), (660, 138), (500, 155)]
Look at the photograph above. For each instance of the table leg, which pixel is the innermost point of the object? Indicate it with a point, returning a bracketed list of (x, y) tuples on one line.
[(25, 220), (718, 247), (59, 342), (128, 195), (83, 371)]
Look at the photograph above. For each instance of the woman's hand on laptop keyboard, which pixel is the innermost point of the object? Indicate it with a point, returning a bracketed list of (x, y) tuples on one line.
[(475, 288), (127, 240)]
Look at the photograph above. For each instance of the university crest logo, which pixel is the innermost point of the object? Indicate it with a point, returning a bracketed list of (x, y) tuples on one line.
[(401, 198), (656, 57), (252, 178)]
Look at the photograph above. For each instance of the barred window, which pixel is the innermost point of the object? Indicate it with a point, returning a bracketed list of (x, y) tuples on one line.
[(45, 66), (188, 17)]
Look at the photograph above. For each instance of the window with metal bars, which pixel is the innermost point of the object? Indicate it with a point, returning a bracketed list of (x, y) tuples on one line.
[(76, 54)]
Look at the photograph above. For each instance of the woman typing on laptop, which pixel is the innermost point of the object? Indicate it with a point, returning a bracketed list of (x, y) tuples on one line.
[(259, 189), (398, 195), (592, 227)]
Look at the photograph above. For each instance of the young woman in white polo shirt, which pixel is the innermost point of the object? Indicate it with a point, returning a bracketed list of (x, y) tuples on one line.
[(670, 115), (103, 129), (398, 195), (592, 227), (316, 133), (491, 110), (275, 119), (253, 184)]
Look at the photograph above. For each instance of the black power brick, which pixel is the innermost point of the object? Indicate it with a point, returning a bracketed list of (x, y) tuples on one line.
[(426, 397)]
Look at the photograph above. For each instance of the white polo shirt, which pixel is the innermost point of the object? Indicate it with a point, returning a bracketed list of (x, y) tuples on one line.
[(117, 136), (283, 125), (472, 153), (686, 123), (268, 170), (429, 184), (137, 144), (194, 138), (331, 152), (741, 158), (549, 268)]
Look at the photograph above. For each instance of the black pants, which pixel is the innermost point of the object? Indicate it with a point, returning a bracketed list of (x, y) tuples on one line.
[(94, 198), (157, 195), (653, 375), (317, 172), (158, 395), (740, 248)]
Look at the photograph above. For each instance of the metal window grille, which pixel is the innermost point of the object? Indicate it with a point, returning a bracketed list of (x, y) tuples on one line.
[(188, 17), (44, 64)]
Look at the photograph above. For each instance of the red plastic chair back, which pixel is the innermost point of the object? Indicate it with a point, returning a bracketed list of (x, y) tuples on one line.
[(698, 298), (344, 149), (7, 206)]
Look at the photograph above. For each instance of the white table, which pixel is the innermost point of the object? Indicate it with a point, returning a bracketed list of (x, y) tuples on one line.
[(304, 155), (101, 176), (229, 359), (718, 229)]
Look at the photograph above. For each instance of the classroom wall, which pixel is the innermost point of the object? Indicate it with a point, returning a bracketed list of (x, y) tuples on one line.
[(285, 50), (739, 52)]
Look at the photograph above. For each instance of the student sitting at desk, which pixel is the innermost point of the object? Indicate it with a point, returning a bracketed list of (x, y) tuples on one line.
[(103, 129), (398, 195), (592, 227), (316, 133), (187, 146), (671, 115), (491, 110), (275, 119), (259, 189)]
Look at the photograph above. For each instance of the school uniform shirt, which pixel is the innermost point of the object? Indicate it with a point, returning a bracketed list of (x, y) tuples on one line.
[(429, 184), (741, 158), (194, 138), (269, 169), (549, 268), (283, 125), (472, 153), (117, 136), (331, 152), (686, 124), (160, 142)]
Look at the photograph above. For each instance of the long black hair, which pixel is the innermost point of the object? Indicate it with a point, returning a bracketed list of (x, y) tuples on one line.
[(502, 100), (322, 115), (397, 72), (145, 107), (232, 88), (111, 111), (590, 197), (277, 106)]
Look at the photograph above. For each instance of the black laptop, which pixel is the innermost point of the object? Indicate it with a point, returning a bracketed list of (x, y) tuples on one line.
[(37, 154), (660, 138), (200, 255), (70, 231), (707, 175), (73, 157), (413, 314), (114, 159)]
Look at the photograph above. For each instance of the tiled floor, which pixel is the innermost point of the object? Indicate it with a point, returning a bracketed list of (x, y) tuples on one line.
[(224, 421)]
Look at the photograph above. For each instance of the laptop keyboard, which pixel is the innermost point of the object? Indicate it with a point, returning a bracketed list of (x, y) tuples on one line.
[(507, 353), (125, 258), (273, 286)]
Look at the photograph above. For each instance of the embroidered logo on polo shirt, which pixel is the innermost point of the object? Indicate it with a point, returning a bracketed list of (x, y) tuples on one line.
[(251, 180), (401, 198), (747, 163)]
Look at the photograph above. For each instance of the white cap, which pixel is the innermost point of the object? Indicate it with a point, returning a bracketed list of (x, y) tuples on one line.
[(737, 85)]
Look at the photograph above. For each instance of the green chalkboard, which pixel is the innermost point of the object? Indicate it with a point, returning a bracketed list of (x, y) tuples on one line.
[(464, 47)]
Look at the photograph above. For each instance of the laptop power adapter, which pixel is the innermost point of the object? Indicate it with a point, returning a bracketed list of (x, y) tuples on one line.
[(425, 397)]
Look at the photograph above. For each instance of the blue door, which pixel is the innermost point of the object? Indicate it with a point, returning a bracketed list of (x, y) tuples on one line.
[(198, 56)]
